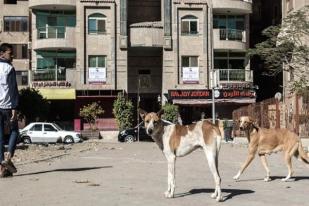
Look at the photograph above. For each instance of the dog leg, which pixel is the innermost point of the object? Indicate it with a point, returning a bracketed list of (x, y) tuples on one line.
[(288, 160), (170, 176), (211, 157), (244, 166), (264, 163)]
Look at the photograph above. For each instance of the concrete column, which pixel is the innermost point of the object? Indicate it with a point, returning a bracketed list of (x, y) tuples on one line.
[(123, 41), (167, 24)]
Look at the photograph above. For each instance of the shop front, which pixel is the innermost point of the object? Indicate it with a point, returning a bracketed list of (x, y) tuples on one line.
[(197, 104)]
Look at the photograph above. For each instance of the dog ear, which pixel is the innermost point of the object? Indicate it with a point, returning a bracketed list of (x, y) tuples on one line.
[(254, 122), (251, 120), (142, 113), (159, 113)]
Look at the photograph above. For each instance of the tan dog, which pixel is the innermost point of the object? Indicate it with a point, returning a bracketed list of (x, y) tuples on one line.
[(179, 140), (266, 141)]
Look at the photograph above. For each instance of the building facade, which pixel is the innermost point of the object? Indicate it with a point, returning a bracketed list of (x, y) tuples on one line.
[(154, 51), (14, 28)]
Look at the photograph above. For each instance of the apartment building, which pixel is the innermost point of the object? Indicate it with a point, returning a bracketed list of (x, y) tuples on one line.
[(14, 28), (154, 51)]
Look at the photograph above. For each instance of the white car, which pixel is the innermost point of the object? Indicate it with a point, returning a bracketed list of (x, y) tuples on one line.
[(45, 132)]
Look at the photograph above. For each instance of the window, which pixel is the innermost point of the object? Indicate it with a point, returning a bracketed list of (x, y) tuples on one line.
[(190, 69), (53, 24), (231, 65), (15, 23), (97, 69), (20, 51), (49, 59), (36, 127), (22, 78), (231, 27), (49, 128), (189, 25), (229, 60), (96, 24), (10, 1)]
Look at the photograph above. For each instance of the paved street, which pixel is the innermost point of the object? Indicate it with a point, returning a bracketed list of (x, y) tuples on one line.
[(136, 174)]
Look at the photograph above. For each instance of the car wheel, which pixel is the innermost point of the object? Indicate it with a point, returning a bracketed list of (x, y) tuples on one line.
[(129, 139), (68, 140), (27, 140)]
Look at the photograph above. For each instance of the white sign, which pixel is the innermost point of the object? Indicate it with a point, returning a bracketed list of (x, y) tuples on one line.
[(190, 74), (97, 75)]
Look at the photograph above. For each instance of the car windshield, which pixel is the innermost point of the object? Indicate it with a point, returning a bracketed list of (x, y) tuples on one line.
[(57, 126)]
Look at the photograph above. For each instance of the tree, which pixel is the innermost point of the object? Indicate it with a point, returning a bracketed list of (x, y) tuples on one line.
[(171, 112), (123, 111), (32, 105), (90, 113), (286, 48)]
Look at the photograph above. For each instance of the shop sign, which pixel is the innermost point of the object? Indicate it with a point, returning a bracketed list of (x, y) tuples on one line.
[(207, 94), (190, 75), (97, 75)]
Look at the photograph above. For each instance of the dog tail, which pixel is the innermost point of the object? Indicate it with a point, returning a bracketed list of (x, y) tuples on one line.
[(302, 154)]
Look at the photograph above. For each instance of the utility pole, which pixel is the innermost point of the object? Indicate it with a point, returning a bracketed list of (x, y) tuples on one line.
[(137, 107), (213, 97)]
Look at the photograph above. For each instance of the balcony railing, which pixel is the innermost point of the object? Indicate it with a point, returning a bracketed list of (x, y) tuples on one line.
[(238, 75), (49, 75), (47, 32), (232, 34)]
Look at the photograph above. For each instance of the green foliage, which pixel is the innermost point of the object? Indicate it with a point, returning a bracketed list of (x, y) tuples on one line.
[(32, 105), (90, 113), (286, 48), (171, 112), (123, 111)]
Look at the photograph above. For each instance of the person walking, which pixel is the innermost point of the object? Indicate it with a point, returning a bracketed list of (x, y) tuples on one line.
[(9, 98)]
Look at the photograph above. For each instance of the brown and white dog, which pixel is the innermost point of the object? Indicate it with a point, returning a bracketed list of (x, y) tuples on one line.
[(179, 140), (266, 141)]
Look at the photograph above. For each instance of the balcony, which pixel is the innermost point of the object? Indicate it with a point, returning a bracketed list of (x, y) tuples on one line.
[(52, 4), (230, 39), (146, 34), (234, 75), (232, 6), (51, 77), (54, 37)]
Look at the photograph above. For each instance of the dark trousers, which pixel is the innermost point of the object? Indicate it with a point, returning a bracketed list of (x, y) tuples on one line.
[(5, 116)]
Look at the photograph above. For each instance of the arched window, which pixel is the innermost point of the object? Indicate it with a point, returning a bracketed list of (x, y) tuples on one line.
[(189, 25), (96, 23)]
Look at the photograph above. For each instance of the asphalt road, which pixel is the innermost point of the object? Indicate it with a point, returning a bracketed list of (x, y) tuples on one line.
[(136, 175)]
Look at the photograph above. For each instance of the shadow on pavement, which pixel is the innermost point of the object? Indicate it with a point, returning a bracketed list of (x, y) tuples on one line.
[(232, 192), (64, 170), (293, 178)]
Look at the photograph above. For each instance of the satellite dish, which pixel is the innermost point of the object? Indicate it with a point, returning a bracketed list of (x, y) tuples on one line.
[(278, 96)]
